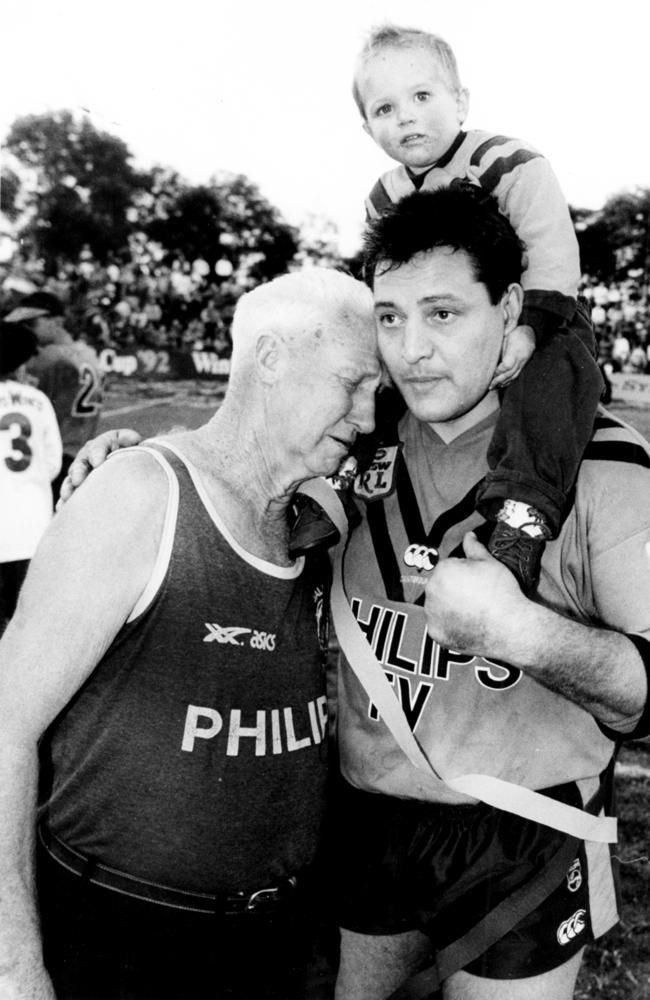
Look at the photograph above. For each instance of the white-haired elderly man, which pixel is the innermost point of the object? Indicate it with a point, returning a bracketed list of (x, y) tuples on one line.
[(167, 658)]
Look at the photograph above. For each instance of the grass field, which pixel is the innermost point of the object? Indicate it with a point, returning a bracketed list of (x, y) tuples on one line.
[(620, 968)]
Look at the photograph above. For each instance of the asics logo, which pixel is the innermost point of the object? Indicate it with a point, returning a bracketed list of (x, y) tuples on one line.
[(570, 928), (226, 636), (230, 637), (421, 557)]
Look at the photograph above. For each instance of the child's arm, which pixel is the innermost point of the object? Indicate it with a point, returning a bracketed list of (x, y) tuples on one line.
[(518, 347)]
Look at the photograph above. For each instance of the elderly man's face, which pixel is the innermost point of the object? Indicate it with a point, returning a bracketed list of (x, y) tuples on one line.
[(439, 334), (334, 400)]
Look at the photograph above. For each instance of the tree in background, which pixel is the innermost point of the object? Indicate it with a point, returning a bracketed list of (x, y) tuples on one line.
[(9, 188), (616, 240), (78, 184), (227, 221)]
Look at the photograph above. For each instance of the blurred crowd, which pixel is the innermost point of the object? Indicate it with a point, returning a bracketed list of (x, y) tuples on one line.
[(620, 314), (183, 305), (128, 306)]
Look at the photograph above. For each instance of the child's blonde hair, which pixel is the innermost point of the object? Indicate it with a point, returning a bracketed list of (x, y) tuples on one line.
[(388, 36)]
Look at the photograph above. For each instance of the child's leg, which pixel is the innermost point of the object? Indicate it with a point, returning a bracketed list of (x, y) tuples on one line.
[(546, 421)]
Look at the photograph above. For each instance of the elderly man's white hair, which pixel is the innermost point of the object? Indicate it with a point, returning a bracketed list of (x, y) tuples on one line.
[(295, 305)]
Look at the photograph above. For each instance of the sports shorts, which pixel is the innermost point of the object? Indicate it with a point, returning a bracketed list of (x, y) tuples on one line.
[(408, 865)]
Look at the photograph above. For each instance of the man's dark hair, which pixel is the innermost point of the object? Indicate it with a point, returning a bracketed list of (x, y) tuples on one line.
[(461, 217)]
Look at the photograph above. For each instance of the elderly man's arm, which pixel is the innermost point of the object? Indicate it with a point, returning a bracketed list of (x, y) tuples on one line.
[(86, 577), (474, 606)]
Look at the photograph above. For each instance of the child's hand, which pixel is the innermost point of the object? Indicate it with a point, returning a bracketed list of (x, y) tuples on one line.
[(518, 346)]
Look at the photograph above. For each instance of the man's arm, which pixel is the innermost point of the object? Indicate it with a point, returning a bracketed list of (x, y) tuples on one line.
[(474, 606), (87, 575), (93, 454)]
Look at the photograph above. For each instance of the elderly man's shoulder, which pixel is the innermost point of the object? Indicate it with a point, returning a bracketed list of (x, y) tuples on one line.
[(131, 487)]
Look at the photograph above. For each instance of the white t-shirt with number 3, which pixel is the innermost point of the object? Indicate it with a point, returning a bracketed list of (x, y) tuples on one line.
[(30, 458)]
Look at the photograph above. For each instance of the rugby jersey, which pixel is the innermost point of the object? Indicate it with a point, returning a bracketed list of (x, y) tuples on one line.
[(527, 193), (471, 715), (69, 375)]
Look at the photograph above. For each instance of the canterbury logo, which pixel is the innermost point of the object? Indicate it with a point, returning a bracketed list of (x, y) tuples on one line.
[(421, 557), (570, 929), (574, 876), (226, 636)]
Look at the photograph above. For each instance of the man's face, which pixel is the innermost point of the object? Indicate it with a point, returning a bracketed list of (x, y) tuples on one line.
[(411, 110), (439, 334), (46, 329), (331, 395)]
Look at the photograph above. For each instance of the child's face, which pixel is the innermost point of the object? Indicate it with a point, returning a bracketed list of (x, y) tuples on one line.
[(411, 110)]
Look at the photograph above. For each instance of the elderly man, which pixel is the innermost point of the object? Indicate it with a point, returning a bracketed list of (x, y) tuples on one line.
[(169, 655), (474, 843)]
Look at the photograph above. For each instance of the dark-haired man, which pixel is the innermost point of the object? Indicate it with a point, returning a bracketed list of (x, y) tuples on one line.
[(502, 694)]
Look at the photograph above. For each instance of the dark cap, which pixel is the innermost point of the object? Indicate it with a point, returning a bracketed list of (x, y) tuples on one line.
[(34, 305), (17, 345)]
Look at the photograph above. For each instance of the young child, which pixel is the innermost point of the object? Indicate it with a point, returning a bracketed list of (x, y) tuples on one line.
[(413, 105)]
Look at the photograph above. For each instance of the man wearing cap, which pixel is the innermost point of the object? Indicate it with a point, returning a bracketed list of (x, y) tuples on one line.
[(30, 458), (67, 372)]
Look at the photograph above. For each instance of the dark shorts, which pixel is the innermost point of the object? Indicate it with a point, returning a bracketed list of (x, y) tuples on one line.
[(404, 865), (102, 945)]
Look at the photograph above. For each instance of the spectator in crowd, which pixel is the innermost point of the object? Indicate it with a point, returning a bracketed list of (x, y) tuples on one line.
[(620, 351), (67, 371), (30, 458)]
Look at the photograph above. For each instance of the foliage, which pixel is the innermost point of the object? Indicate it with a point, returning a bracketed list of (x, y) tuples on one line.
[(226, 220), (616, 239), (80, 184), (9, 188)]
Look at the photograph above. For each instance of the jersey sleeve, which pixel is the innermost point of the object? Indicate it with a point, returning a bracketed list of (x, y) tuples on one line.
[(618, 541), (529, 195), (52, 439)]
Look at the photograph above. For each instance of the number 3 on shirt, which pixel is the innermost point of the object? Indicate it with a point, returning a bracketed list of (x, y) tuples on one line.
[(20, 430), (84, 405)]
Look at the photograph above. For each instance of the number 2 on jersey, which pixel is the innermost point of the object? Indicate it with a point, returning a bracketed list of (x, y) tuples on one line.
[(84, 405)]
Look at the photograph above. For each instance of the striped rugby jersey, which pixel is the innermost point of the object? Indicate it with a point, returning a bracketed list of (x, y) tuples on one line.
[(527, 193), (469, 714)]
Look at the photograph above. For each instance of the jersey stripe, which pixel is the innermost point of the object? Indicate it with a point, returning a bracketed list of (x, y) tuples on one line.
[(379, 198), (408, 504), (602, 421), (505, 165), (462, 510), (386, 558), (617, 451), (480, 151)]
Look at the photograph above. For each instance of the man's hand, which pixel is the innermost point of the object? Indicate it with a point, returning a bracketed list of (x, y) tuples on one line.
[(92, 455), (471, 602), (518, 347)]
